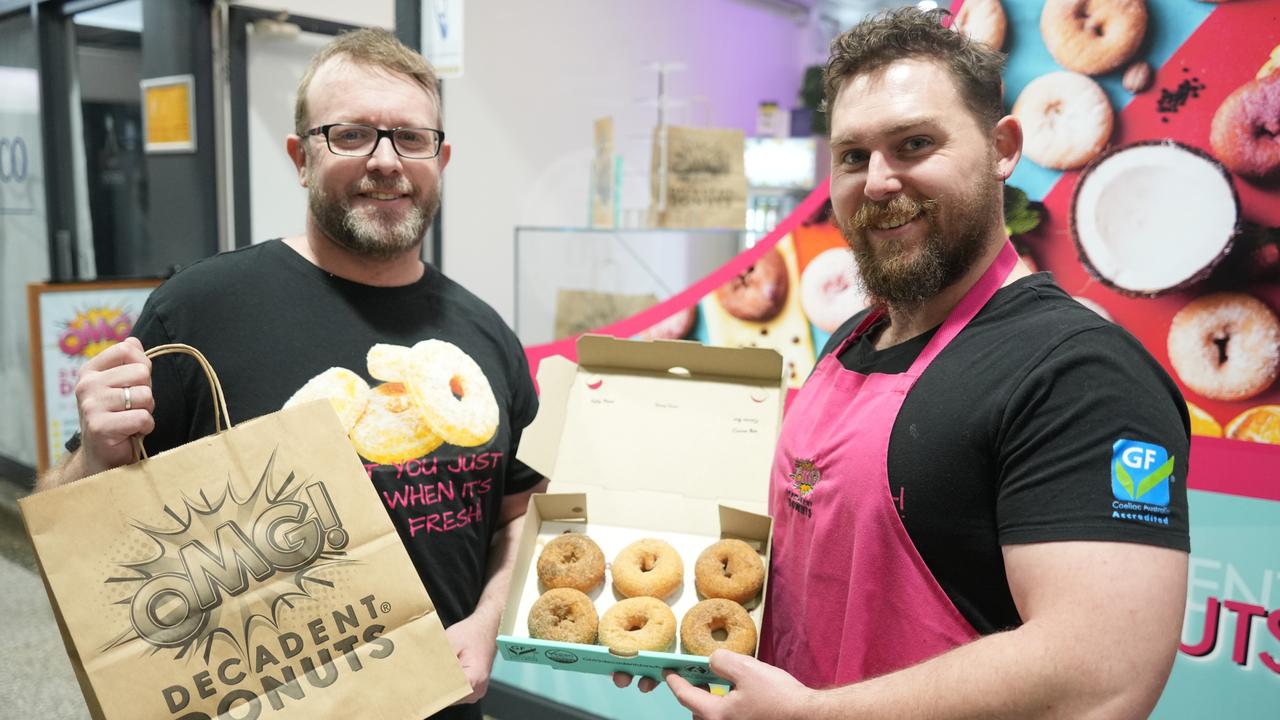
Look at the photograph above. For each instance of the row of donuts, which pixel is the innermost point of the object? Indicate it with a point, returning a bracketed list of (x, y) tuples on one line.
[(727, 574)]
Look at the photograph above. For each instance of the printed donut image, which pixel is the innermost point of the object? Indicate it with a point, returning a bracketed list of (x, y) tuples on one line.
[(638, 623), (572, 560), (829, 290), (729, 569), (983, 21), (391, 430), (1066, 120), (699, 626), (759, 293), (647, 567), (345, 390), (564, 615), (452, 393), (1245, 134), (1225, 346), (1093, 36), (386, 362)]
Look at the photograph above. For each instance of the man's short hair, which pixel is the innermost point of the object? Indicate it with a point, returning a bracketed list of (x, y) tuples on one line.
[(373, 47), (911, 33)]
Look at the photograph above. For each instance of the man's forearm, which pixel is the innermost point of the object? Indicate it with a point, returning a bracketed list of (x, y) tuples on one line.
[(1022, 673), (68, 469)]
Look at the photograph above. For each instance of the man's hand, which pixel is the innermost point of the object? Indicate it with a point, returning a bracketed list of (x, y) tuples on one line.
[(623, 680), (114, 400), (473, 641), (759, 691), (106, 424)]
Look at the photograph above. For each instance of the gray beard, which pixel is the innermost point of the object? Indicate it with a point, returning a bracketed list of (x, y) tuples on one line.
[(364, 232)]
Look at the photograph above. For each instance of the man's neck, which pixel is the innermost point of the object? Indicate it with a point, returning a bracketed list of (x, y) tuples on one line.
[(319, 250), (911, 321)]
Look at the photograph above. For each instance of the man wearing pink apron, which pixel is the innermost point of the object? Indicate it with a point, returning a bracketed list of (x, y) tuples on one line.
[(955, 530)]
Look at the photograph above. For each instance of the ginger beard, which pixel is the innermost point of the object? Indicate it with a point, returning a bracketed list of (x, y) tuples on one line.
[(369, 231), (959, 228)]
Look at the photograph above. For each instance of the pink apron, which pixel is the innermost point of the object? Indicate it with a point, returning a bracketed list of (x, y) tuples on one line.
[(849, 596)]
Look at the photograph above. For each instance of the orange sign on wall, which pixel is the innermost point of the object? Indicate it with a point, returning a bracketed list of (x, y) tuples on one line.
[(169, 113)]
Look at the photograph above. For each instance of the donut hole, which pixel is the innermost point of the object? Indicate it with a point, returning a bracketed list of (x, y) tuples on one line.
[(724, 568), (1221, 341), (569, 556), (456, 387), (648, 562), (636, 623), (718, 633)]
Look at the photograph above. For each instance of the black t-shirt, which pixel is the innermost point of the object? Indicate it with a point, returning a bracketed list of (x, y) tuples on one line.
[(269, 321), (1026, 429)]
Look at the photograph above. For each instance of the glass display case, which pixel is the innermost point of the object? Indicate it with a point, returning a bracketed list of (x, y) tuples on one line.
[(572, 279)]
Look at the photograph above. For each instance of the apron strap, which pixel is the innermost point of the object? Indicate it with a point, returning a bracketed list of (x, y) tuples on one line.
[(968, 307)]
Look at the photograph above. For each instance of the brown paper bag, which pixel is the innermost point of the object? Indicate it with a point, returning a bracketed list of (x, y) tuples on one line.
[(252, 573)]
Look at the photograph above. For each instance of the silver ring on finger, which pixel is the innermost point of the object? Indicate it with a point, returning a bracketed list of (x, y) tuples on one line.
[(128, 399)]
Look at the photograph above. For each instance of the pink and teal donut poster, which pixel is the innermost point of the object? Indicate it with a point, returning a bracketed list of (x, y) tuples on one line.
[(1153, 164)]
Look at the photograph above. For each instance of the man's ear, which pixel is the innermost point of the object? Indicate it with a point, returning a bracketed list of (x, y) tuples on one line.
[(446, 152), (297, 150), (1008, 144)]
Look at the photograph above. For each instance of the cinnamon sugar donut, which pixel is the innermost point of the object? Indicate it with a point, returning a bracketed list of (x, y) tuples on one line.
[(1093, 36), (1245, 134), (1066, 120), (1225, 346), (572, 560), (729, 569), (635, 624), (760, 292), (564, 615), (647, 568), (698, 628)]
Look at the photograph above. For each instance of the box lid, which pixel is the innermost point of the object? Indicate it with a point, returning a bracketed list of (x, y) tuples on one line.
[(659, 430)]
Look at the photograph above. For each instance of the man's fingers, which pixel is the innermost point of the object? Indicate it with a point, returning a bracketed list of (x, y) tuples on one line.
[(699, 701), (112, 429), (621, 679), (122, 353), (647, 684), (730, 665)]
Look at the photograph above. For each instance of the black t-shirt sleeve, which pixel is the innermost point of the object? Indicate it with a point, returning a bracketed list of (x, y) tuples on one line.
[(1082, 431)]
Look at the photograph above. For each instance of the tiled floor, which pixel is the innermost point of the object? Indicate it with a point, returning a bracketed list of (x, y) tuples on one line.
[(36, 680)]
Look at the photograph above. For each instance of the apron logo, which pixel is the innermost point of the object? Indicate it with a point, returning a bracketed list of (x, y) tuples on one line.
[(805, 476)]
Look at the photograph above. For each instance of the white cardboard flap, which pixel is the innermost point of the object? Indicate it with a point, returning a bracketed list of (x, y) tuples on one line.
[(645, 442)]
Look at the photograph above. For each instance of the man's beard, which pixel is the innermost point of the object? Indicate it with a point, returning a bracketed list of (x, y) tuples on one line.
[(903, 276), (368, 231)]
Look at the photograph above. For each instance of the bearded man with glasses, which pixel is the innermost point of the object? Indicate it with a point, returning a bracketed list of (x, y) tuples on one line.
[(348, 311)]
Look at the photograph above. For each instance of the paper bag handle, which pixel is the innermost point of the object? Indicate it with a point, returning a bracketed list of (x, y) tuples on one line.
[(220, 413)]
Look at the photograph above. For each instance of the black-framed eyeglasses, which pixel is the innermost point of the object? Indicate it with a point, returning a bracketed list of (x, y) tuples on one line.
[(354, 140)]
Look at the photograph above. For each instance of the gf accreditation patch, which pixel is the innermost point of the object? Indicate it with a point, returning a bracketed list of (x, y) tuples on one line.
[(1140, 477)]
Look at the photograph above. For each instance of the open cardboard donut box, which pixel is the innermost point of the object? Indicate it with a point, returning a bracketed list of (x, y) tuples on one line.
[(661, 439)]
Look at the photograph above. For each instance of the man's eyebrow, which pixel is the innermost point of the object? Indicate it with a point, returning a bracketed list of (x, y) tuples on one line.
[(899, 128)]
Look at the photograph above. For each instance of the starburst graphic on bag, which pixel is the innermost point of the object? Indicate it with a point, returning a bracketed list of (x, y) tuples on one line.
[(231, 564)]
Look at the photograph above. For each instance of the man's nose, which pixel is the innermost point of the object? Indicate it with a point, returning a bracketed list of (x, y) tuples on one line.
[(384, 158), (882, 178)]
